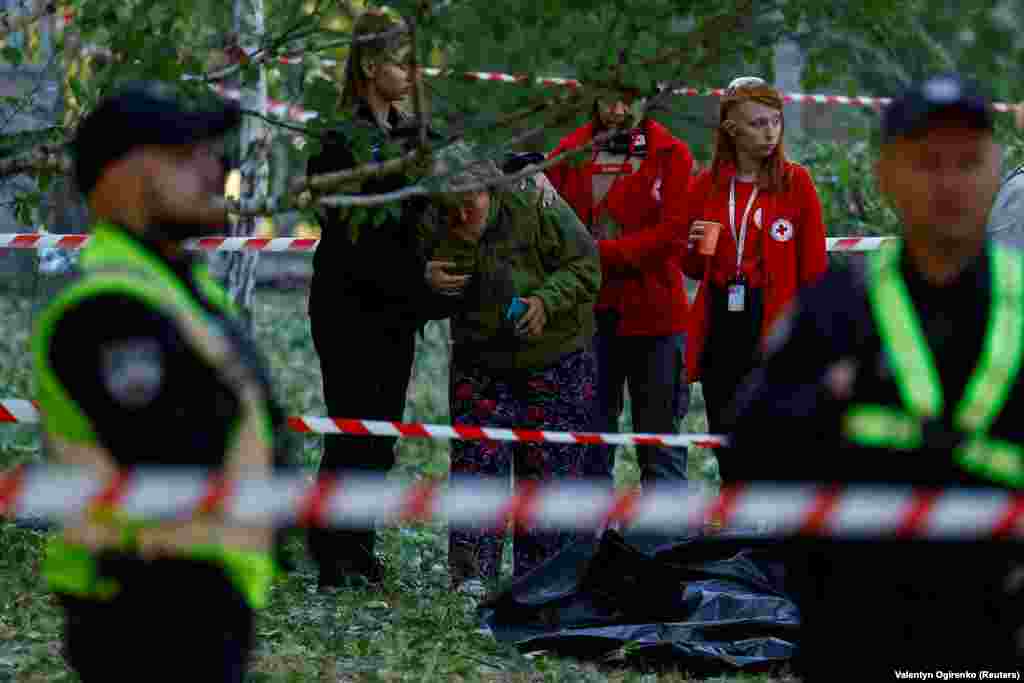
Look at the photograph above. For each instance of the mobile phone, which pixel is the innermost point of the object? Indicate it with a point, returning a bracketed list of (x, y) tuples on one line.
[(516, 309)]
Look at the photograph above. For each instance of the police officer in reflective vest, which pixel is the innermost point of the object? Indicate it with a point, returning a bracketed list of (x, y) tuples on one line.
[(906, 372), (141, 362)]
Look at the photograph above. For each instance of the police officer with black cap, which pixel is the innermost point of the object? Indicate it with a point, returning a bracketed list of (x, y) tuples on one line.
[(141, 362), (908, 372)]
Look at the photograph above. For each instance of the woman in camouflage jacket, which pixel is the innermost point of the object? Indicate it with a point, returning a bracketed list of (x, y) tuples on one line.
[(521, 355)]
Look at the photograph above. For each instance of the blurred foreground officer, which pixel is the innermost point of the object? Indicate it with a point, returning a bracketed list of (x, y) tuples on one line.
[(909, 373), (140, 363)]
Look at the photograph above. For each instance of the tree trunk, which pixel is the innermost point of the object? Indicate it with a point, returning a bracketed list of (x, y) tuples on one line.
[(239, 268)]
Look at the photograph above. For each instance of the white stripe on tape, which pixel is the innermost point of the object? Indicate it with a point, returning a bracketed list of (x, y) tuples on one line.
[(362, 501)]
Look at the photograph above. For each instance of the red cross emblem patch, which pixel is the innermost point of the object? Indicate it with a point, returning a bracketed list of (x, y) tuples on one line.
[(782, 230)]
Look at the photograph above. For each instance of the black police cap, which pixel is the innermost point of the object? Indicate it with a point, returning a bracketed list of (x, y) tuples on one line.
[(911, 113), (142, 113)]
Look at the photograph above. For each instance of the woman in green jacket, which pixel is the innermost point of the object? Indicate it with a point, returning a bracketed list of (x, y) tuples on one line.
[(521, 355)]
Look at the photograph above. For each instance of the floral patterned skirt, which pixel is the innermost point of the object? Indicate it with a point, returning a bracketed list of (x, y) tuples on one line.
[(559, 397)]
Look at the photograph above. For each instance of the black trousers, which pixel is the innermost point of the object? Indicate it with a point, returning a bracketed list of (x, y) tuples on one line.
[(730, 353), (182, 621), (365, 370), (871, 608), (653, 369)]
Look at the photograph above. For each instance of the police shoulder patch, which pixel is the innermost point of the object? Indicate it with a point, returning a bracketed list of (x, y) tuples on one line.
[(133, 370)]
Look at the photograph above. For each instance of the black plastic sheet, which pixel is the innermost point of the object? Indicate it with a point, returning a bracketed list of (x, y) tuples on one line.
[(706, 606)]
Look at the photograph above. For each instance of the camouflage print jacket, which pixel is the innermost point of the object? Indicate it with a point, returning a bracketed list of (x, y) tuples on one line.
[(1006, 219), (534, 245)]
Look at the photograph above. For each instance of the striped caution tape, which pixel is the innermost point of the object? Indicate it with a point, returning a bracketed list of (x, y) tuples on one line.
[(275, 107), (49, 240), (554, 81), (60, 494), (21, 411)]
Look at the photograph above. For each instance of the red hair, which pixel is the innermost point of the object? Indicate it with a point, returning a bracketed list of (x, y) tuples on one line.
[(774, 176)]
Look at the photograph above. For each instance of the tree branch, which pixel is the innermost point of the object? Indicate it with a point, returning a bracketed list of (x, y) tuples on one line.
[(301, 200), (42, 159), (328, 181), (274, 121), (420, 190)]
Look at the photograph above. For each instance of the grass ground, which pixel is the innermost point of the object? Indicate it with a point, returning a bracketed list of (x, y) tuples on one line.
[(416, 629)]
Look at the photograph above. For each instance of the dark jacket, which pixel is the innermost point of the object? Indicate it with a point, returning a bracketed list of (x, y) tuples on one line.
[(371, 271)]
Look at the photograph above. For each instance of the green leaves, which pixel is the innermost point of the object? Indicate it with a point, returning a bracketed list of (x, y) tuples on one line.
[(12, 55)]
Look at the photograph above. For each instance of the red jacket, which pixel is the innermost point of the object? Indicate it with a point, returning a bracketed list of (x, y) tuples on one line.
[(785, 248), (641, 271)]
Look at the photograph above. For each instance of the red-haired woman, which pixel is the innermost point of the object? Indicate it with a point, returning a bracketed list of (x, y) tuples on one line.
[(770, 244)]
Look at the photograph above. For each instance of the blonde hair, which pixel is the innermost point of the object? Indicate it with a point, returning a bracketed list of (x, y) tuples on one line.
[(388, 29), (774, 176)]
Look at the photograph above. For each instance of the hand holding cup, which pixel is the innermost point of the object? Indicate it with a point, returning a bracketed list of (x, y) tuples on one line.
[(705, 235)]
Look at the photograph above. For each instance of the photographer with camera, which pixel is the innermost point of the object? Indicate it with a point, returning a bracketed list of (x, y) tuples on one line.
[(521, 354), (632, 194)]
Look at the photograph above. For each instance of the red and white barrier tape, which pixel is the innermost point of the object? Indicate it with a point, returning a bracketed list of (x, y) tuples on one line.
[(297, 113), (553, 81), (49, 240), (42, 492), (790, 97), (21, 411), (274, 107)]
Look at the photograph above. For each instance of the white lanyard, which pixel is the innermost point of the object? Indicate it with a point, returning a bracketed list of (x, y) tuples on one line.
[(741, 238)]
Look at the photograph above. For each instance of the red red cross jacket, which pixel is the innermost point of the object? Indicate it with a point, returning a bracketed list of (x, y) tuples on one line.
[(641, 269), (785, 247)]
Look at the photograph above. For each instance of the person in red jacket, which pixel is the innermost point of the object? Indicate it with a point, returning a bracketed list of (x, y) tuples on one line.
[(771, 243), (632, 194)]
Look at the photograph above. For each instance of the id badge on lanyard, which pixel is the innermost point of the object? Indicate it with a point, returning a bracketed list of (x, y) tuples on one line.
[(737, 294), (737, 289)]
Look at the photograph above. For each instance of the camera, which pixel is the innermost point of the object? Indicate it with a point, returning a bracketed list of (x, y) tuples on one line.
[(632, 142)]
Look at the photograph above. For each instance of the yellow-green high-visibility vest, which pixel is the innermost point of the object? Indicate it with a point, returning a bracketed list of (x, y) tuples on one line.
[(917, 379), (115, 263)]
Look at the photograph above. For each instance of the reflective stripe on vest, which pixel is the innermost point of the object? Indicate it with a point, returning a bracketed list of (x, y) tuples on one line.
[(116, 264), (917, 378)]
